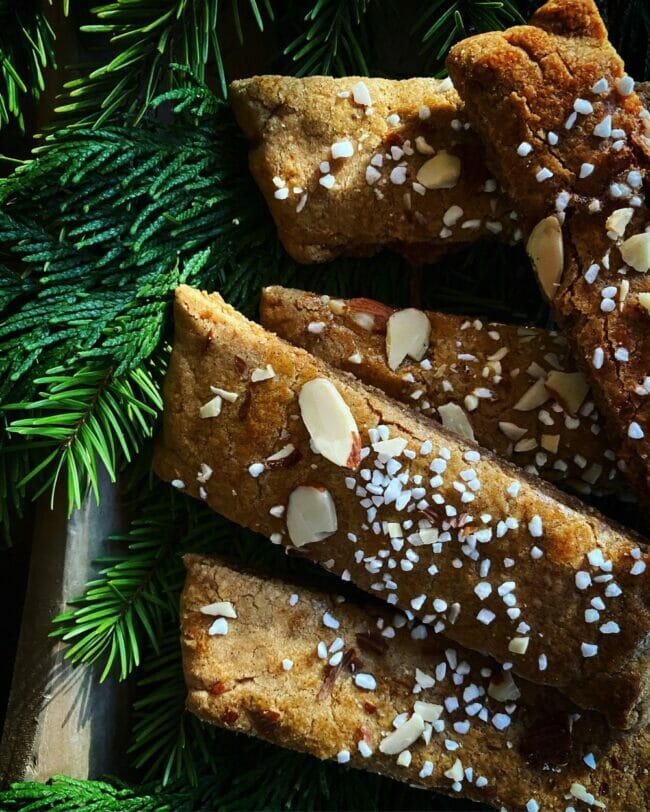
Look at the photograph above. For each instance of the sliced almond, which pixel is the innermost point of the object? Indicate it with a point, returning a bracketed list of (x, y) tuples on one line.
[(212, 408), (219, 609), (511, 430), (550, 442), (455, 419), (636, 252), (407, 333), (429, 711), (644, 301), (440, 172), (519, 645), (533, 397), (369, 314), (546, 251), (262, 374), (403, 737), (569, 389), (619, 220), (502, 687), (337, 306), (390, 448), (422, 146), (456, 771), (330, 423), (231, 397), (311, 515)]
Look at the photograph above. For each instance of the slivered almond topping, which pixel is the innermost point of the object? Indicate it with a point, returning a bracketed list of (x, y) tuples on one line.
[(546, 252), (311, 515), (550, 442), (330, 423), (440, 172), (265, 374), (337, 306), (286, 457), (219, 609), (429, 711), (212, 408), (636, 252), (511, 430), (502, 687), (422, 146), (455, 419), (369, 314), (644, 301), (619, 220), (403, 737), (231, 397), (568, 388), (456, 771), (408, 333), (533, 397)]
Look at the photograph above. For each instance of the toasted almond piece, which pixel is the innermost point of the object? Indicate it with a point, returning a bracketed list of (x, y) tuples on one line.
[(403, 737), (636, 251), (265, 374), (511, 430), (440, 172), (212, 408), (422, 146), (546, 251), (644, 301), (390, 448), (407, 333), (337, 306), (502, 687), (330, 423), (361, 94), (429, 711), (231, 397), (619, 220), (550, 442), (369, 314), (311, 515), (525, 445), (533, 397), (455, 419), (285, 451), (519, 645), (456, 771), (219, 609), (568, 388)]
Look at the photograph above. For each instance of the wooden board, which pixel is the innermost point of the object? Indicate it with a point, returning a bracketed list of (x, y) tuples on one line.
[(59, 718)]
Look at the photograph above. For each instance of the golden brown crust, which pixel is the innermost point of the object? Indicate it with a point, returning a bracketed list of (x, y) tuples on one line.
[(467, 355), (521, 85), (292, 124), (238, 681), (527, 532)]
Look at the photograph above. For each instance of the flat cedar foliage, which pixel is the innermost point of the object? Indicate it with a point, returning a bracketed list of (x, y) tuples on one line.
[(139, 184)]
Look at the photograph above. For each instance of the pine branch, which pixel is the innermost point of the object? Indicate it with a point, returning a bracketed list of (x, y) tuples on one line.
[(335, 40), (26, 51), (86, 417), (443, 23), (143, 37)]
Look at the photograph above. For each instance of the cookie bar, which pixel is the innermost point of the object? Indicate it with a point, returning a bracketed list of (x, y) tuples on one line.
[(567, 135), (517, 387), (354, 165), (301, 669), (499, 561)]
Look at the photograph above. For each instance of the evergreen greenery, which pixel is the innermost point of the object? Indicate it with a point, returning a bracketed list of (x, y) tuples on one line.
[(142, 183)]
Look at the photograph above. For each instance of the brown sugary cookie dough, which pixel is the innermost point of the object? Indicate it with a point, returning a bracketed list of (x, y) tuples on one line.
[(498, 560), (340, 163), (490, 370), (282, 672), (567, 135)]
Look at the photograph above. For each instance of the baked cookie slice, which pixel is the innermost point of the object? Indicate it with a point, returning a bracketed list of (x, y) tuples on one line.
[(515, 390), (359, 685), (354, 165), (567, 135), (495, 559)]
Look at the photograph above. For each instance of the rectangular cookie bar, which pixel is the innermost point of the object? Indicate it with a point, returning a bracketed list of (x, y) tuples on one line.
[(490, 372), (567, 135), (499, 561), (354, 165), (357, 684)]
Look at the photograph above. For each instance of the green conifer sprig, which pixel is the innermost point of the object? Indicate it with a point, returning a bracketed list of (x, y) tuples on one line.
[(143, 37), (26, 51)]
